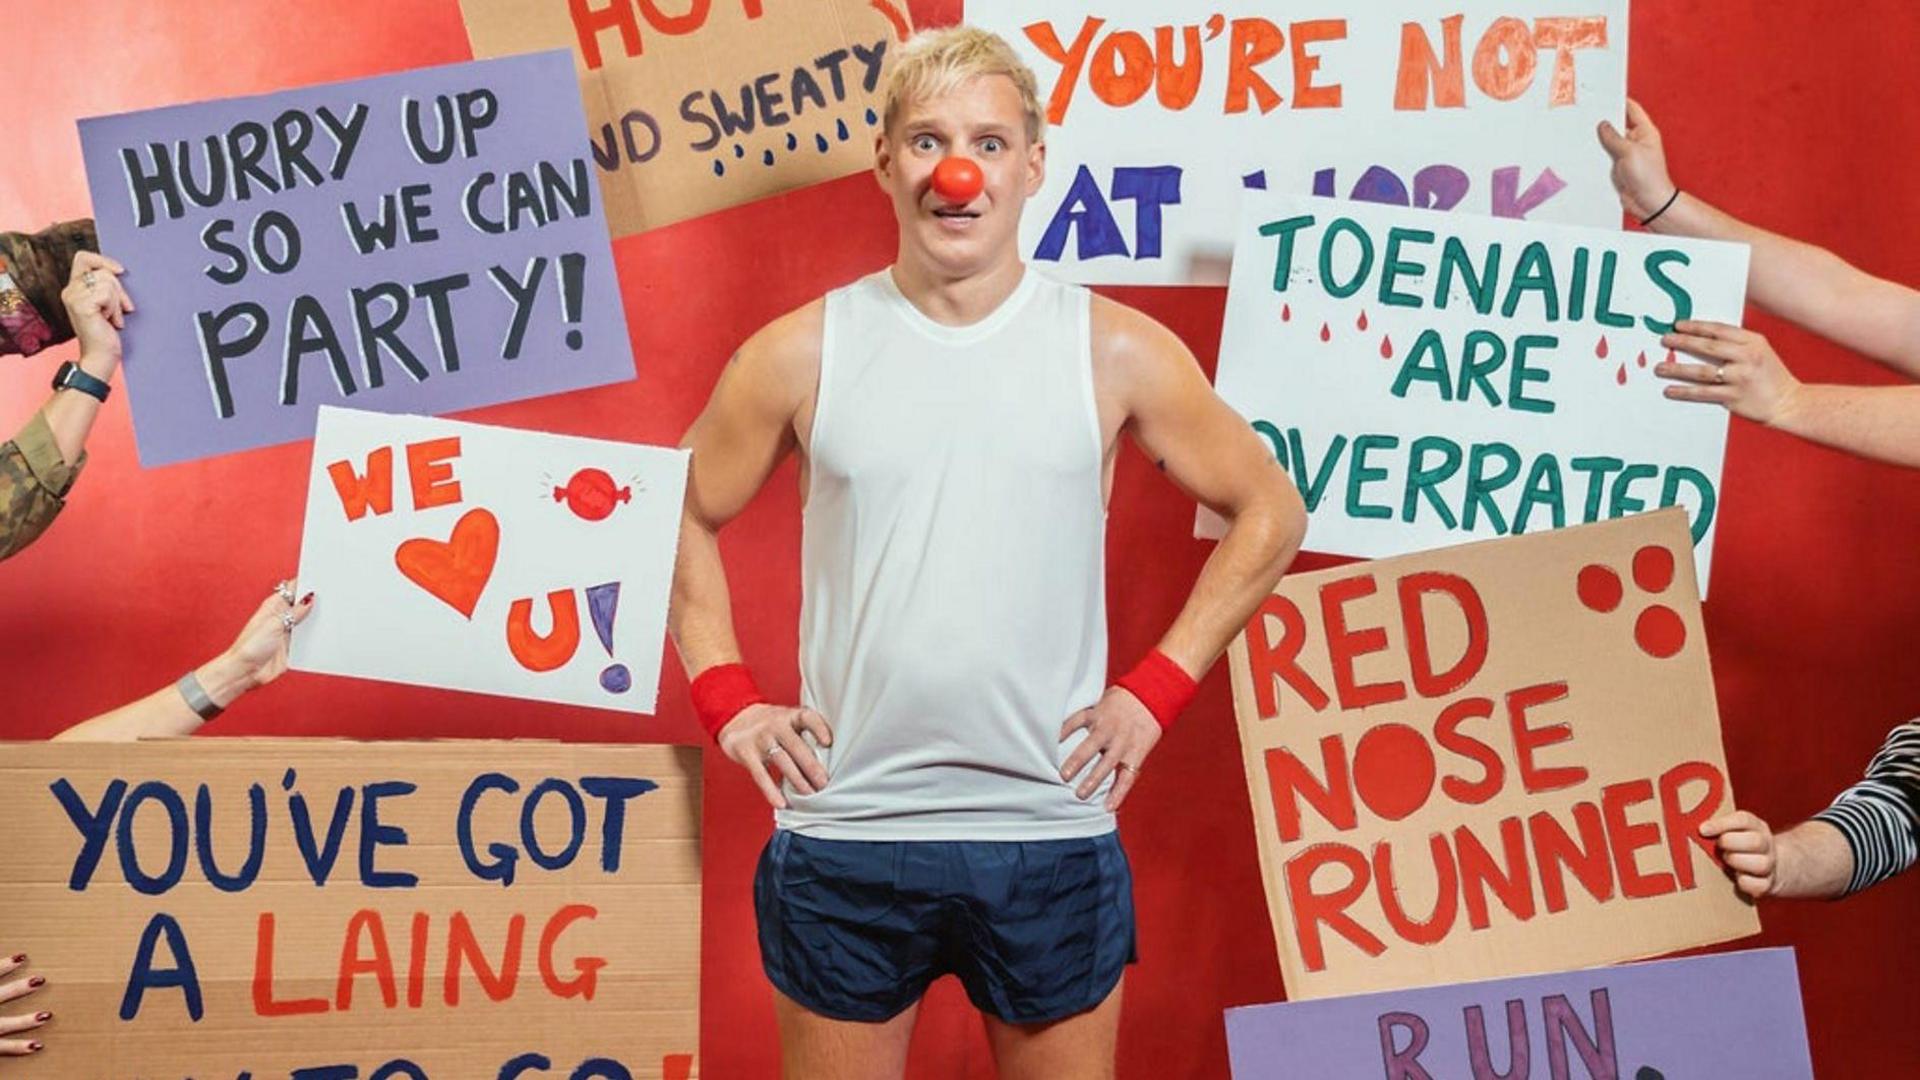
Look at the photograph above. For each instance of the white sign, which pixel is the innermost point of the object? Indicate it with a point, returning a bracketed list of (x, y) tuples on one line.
[(1431, 379), (1161, 115), (482, 558)]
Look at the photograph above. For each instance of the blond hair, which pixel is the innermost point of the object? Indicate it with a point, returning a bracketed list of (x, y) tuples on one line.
[(934, 62)]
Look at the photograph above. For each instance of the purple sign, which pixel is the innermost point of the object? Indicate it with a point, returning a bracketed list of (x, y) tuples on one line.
[(420, 243), (1730, 1014)]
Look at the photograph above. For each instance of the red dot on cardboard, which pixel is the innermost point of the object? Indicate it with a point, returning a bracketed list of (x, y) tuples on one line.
[(1600, 588)]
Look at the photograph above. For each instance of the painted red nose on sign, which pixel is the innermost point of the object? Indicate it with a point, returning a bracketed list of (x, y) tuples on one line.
[(958, 180)]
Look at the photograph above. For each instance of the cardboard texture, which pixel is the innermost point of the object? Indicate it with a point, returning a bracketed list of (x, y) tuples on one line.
[(589, 948), (1429, 379), (1162, 116), (482, 558), (422, 242), (693, 108), (1485, 761), (1734, 1014)]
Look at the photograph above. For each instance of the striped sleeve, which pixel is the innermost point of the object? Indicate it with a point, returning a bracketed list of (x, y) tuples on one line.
[(1880, 815)]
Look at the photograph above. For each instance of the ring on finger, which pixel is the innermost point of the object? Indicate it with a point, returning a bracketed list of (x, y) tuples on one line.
[(285, 589), (286, 621), (86, 279), (772, 752), (1128, 766), (1720, 376)]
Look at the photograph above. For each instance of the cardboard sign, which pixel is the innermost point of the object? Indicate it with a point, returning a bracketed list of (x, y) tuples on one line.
[(323, 908), (695, 107), (1160, 118), (1427, 379), (483, 558), (1485, 761), (422, 242), (1734, 1014)]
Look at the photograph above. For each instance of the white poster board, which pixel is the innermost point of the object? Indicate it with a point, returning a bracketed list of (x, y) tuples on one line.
[(1431, 379), (481, 558), (1161, 115)]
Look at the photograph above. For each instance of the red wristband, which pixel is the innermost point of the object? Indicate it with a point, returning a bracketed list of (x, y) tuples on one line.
[(1161, 685), (721, 692)]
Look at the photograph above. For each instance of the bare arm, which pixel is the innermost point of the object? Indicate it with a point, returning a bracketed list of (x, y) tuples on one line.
[(162, 713), (257, 657), (97, 305), (1805, 284), (1869, 834), (745, 431), (1740, 370), (1207, 449)]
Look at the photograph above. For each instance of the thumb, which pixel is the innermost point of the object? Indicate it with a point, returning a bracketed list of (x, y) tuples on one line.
[(1612, 141)]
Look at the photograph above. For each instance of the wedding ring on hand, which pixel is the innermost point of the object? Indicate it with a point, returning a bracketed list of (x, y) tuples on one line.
[(285, 589), (1129, 768), (86, 279), (1720, 376), (773, 751), (286, 621)]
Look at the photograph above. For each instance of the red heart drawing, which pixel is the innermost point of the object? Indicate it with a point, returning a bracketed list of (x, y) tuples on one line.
[(455, 571)]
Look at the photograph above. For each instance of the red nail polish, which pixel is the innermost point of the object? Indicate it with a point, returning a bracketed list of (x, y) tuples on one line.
[(20, 958), (36, 982), (43, 1018), (33, 1048), (307, 599)]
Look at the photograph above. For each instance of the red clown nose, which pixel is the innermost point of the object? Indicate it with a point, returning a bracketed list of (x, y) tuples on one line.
[(958, 180)]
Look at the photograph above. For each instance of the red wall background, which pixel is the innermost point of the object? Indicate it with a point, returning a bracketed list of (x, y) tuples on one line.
[(1802, 117)]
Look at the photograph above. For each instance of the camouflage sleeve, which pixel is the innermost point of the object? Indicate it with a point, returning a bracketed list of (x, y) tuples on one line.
[(34, 480)]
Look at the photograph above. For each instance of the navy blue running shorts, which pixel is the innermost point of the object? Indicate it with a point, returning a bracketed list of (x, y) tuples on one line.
[(1036, 931)]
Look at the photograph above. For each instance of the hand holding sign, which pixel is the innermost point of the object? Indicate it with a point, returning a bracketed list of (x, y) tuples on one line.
[(1741, 371), (16, 1031), (97, 305), (1639, 163)]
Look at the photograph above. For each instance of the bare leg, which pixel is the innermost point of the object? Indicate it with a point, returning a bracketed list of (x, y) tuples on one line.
[(815, 1047), (1078, 1048)]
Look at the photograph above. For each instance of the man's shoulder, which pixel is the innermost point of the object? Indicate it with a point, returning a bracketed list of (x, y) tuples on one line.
[(788, 346), (1129, 342)]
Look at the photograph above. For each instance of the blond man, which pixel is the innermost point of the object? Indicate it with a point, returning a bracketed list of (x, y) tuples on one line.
[(945, 790)]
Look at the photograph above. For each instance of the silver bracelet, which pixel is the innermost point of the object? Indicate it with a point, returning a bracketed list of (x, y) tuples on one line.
[(196, 695)]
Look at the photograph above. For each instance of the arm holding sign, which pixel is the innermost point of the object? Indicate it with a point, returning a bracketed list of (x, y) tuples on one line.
[(1810, 861), (1797, 281), (747, 428), (39, 465), (1150, 386), (1869, 834), (257, 657)]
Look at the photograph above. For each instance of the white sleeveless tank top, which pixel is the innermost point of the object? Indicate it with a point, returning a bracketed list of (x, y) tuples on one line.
[(953, 609)]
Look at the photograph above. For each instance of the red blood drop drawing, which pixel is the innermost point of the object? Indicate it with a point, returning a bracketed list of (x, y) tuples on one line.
[(1600, 350), (1621, 376), (1386, 348), (1362, 324), (1286, 312), (1326, 332), (1642, 358), (592, 494)]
